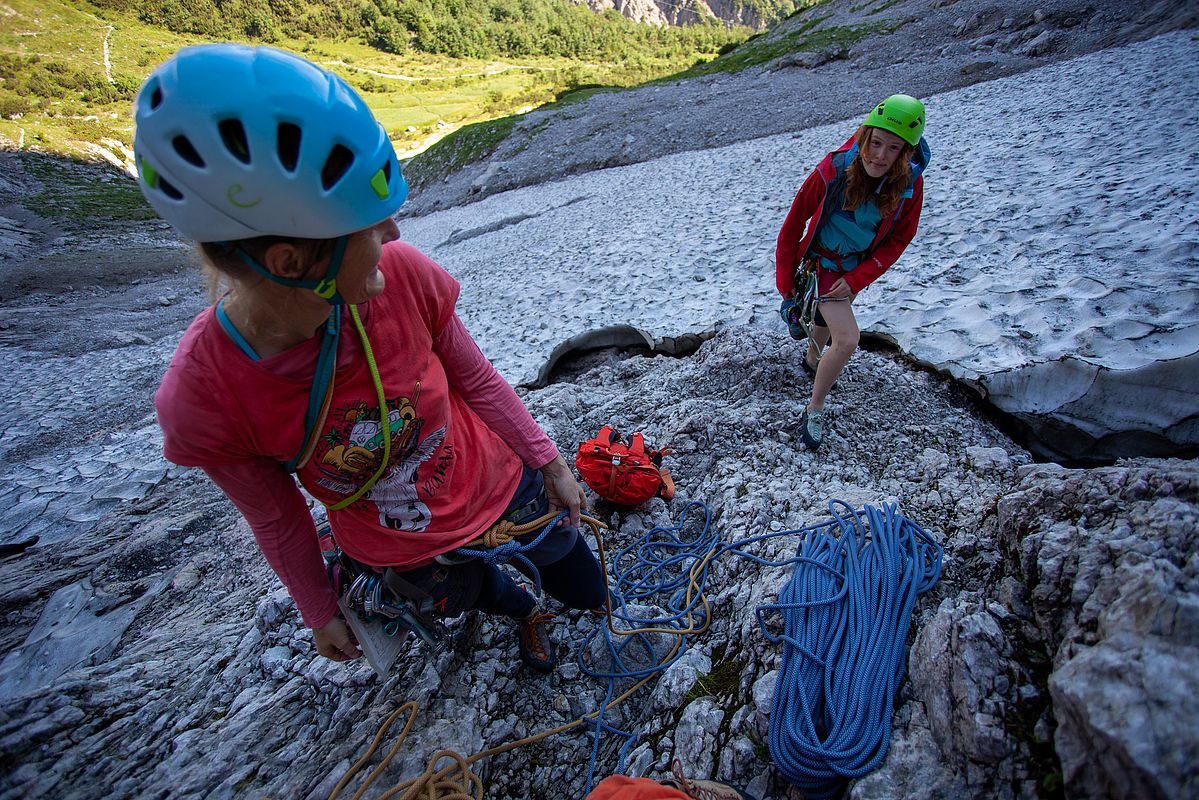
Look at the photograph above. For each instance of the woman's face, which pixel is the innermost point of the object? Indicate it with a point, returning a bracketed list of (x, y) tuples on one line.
[(359, 278), (881, 150)]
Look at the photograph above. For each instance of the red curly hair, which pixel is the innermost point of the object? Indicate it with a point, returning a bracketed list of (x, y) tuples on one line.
[(859, 186)]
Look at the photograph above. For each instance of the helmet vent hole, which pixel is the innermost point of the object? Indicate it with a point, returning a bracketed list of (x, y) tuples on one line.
[(287, 140), (156, 98), (336, 165), (233, 134), (187, 152), (168, 189)]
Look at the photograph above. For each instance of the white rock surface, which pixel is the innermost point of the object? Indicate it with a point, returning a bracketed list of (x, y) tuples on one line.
[(1056, 266)]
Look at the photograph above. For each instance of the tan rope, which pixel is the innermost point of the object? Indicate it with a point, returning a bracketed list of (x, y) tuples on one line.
[(457, 781), (505, 531)]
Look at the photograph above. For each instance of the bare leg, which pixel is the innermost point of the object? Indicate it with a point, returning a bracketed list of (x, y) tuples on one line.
[(816, 342), (843, 328)]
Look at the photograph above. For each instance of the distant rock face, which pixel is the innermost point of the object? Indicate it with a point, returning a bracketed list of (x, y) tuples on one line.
[(685, 12)]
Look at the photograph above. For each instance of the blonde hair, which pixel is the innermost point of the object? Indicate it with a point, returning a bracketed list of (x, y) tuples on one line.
[(859, 186), (222, 266)]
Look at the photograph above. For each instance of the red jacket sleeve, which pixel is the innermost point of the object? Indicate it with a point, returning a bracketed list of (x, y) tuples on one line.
[(806, 202), (893, 244)]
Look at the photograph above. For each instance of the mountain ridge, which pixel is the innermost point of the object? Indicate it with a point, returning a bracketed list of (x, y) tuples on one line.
[(827, 63)]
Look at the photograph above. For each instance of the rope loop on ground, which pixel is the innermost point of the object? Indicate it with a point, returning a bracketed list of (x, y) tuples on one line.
[(658, 584), (846, 612)]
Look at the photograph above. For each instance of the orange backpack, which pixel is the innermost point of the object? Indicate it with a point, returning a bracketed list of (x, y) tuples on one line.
[(624, 474)]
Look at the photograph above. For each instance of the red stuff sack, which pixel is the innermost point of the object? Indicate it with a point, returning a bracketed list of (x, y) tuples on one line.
[(626, 474)]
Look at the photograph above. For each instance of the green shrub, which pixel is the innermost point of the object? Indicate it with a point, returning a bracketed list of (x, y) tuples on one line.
[(12, 106)]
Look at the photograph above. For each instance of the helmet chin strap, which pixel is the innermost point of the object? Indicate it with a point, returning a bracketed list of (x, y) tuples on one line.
[(325, 288)]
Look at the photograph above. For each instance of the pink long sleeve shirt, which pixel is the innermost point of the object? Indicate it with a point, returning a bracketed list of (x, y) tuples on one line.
[(459, 434)]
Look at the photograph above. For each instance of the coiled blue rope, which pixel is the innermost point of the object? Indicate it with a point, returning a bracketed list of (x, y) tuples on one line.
[(846, 612)]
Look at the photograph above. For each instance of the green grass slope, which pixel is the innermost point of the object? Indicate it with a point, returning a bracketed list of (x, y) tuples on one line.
[(70, 69)]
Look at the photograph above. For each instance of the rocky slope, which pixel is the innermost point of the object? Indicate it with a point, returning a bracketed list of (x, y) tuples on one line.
[(1051, 654), (821, 65)]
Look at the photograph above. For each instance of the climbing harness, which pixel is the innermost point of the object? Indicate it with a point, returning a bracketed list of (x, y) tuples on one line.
[(846, 611), (626, 474), (382, 597), (802, 311)]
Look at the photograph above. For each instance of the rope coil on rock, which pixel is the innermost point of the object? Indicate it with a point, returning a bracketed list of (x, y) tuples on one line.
[(846, 609)]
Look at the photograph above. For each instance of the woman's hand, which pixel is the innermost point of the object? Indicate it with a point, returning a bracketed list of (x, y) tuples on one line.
[(839, 290), (562, 490), (332, 640)]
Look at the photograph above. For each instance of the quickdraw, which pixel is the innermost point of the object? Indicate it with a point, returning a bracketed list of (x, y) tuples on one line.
[(382, 597), (799, 311)]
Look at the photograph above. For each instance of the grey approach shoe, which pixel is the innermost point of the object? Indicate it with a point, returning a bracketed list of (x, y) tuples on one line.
[(811, 428)]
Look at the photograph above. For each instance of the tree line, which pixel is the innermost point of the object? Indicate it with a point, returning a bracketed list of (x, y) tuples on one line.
[(457, 28)]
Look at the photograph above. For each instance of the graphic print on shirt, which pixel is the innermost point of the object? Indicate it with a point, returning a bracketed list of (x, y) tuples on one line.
[(350, 451)]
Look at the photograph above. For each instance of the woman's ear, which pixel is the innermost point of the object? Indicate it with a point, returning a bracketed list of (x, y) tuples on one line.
[(285, 260)]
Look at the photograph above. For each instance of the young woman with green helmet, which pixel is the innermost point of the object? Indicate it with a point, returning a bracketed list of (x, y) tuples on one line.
[(400, 427), (851, 220)]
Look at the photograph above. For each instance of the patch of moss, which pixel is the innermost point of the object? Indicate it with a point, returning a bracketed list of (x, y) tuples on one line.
[(878, 7), (464, 146), (83, 194), (723, 681), (578, 94), (810, 36)]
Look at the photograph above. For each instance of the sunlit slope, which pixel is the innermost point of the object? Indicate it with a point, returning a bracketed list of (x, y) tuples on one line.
[(69, 71)]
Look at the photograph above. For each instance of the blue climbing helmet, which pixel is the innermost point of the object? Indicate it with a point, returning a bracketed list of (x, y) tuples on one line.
[(234, 142)]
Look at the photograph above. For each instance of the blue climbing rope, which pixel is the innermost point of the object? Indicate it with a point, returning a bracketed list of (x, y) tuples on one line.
[(846, 611), (657, 590)]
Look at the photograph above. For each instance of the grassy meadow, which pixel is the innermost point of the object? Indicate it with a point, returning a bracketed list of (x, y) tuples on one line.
[(69, 72)]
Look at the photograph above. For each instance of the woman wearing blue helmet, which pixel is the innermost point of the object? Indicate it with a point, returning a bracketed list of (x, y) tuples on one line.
[(401, 428)]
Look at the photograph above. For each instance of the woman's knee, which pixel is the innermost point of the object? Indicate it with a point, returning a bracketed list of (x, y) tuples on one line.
[(576, 580), (846, 341)]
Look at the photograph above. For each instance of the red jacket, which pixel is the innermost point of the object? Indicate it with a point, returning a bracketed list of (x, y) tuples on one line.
[(894, 232)]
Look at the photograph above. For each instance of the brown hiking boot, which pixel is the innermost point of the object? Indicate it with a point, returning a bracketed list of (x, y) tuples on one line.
[(536, 648), (702, 790)]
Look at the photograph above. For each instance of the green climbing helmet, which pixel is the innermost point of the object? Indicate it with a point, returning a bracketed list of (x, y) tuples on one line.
[(900, 114)]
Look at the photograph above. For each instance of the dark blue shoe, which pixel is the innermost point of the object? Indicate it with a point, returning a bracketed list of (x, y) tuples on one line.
[(789, 311)]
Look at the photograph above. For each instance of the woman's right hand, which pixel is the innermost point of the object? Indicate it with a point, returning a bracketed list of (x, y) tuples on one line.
[(333, 640), (840, 290)]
